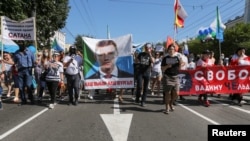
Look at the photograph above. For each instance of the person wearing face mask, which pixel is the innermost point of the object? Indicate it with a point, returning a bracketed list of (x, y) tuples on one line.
[(24, 60), (72, 62)]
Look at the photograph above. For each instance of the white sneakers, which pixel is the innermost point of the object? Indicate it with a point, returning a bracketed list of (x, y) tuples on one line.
[(52, 106), (90, 97)]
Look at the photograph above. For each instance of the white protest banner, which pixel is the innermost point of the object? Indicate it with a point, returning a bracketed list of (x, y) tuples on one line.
[(14, 30)]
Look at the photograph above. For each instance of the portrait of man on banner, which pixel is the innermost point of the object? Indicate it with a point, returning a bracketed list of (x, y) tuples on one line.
[(106, 54), (108, 60)]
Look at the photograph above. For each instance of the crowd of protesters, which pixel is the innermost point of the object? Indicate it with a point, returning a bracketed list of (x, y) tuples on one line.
[(54, 72)]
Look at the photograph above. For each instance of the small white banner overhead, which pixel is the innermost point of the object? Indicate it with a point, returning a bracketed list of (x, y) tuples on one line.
[(15, 30)]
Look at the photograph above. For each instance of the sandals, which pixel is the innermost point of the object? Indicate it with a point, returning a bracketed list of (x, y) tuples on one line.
[(172, 109)]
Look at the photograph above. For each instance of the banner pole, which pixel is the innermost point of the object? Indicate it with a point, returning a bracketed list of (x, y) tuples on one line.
[(35, 41), (2, 37)]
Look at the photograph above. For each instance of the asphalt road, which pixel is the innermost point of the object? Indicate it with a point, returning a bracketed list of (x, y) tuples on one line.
[(105, 119)]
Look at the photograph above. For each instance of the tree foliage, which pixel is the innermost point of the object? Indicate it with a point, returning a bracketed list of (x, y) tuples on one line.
[(50, 16)]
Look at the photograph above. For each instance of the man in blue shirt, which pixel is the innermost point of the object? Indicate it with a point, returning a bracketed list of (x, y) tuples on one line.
[(24, 60)]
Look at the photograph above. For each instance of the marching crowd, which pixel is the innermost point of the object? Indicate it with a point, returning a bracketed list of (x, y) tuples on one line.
[(153, 69)]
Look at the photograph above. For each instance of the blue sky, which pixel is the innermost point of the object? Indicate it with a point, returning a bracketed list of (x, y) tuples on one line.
[(146, 20)]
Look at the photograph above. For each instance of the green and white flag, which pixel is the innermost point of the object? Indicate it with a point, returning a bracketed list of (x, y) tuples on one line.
[(114, 59)]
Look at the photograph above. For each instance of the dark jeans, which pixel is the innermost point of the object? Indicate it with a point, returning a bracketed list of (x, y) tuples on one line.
[(42, 87), (25, 80), (142, 80), (52, 87), (73, 87)]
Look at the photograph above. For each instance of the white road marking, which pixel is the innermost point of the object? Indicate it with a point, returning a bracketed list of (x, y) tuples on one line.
[(200, 115), (231, 106), (22, 124), (118, 124)]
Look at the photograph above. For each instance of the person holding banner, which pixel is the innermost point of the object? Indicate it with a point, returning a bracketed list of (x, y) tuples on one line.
[(204, 61), (170, 66), (24, 60), (106, 53), (240, 59)]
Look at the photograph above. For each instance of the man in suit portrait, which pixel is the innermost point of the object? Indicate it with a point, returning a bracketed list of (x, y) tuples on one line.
[(106, 53)]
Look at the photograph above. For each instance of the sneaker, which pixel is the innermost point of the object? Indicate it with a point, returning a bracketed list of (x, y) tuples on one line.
[(51, 106), (235, 101), (90, 97), (166, 111), (75, 103), (143, 104), (152, 93), (243, 102), (206, 103)]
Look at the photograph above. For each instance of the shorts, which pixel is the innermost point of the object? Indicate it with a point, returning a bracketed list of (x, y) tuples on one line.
[(155, 74)]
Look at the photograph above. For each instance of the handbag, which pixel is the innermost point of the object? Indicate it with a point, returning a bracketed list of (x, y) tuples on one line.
[(34, 84)]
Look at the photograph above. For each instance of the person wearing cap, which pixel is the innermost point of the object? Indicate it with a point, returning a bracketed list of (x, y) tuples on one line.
[(239, 59), (53, 77), (144, 60), (204, 61), (24, 60), (170, 65), (72, 63)]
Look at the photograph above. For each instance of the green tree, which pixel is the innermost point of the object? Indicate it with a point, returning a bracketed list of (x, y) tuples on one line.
[(50, 15)]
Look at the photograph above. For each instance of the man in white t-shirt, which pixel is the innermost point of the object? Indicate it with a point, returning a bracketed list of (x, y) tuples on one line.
[(72, 62)]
